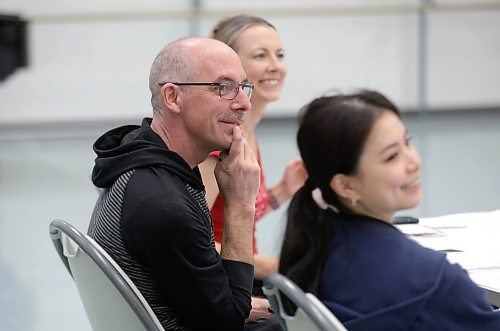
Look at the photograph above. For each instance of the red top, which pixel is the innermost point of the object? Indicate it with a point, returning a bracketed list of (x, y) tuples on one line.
[(261, 204)]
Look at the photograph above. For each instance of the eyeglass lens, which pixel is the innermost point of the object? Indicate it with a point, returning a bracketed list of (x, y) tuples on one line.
[(229, 90)]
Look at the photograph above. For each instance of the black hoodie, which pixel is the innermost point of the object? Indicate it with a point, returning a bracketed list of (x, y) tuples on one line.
[(152, 218)]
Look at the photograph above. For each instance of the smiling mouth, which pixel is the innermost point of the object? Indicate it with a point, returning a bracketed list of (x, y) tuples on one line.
[(412, 186), (235, 122), (232, 123), (271, 82), (234, 119)]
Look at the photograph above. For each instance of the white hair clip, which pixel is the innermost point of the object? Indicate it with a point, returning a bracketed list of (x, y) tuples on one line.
[(318, 198)]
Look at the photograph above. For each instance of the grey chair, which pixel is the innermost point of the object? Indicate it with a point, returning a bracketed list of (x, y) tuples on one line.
[(111, 301), (311, 314)]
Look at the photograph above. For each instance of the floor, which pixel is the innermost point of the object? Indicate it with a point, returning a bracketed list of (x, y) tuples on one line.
[(47, 176)]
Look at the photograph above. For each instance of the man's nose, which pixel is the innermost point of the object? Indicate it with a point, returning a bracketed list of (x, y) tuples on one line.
[(241, 102)]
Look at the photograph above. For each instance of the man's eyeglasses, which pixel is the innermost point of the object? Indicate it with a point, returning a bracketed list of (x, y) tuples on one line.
[(227, 90)]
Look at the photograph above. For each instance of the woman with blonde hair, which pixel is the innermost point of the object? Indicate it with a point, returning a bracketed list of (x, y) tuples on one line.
[(258, 45)]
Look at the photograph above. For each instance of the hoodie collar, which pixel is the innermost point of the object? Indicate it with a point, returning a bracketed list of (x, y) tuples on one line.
[(131, 146)]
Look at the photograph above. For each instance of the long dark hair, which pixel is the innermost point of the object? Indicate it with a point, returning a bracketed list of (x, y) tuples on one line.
[(332, 133)]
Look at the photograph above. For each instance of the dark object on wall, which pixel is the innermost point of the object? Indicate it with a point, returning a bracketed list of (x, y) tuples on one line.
[(13, 45)]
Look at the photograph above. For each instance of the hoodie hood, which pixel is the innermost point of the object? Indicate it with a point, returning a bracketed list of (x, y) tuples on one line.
[(131, 146)]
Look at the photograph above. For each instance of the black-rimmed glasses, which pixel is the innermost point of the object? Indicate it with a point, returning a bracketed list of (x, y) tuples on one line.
[(227, 90)]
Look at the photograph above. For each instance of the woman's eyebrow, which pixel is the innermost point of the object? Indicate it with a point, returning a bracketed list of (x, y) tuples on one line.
[(388, 147), (393, 144)]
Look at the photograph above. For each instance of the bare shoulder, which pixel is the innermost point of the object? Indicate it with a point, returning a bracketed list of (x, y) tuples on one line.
[(208, 177), (207, 167)]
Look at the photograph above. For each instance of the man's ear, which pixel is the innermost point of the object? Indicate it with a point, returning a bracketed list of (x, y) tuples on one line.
[(343, 186), (171, 97)]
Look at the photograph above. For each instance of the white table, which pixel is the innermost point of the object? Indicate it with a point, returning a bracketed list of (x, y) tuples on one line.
[(469, 239)]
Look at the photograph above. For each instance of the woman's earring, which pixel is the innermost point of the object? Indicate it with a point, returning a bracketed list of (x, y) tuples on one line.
[(354, 202)]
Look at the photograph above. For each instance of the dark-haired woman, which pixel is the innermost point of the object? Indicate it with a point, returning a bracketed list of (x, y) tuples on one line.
[(340, 242)]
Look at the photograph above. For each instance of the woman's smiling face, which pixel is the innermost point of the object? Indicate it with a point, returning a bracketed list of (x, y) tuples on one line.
[(388, 174), (262, 56)]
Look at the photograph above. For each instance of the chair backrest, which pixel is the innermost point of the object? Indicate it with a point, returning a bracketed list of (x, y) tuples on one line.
[(111, 301), (311, 313)]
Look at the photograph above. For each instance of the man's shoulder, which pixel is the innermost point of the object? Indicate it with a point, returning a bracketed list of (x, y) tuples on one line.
[(157, 185), (156, 199)]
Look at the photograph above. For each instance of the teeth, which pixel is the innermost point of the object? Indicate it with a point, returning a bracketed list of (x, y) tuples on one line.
[(270, 82)]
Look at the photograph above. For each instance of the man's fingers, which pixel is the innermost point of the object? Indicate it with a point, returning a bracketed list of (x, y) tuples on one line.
[(247, 151), (230, 160), (237, 143)]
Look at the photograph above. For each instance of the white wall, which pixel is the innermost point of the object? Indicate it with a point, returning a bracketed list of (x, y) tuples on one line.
[(89, 60), (92, 70)]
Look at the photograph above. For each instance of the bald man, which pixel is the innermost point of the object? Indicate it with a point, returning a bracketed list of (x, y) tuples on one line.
[(152, 216)]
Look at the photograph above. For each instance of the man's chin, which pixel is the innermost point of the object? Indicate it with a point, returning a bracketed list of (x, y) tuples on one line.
[(228, 140), (224, 146)]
